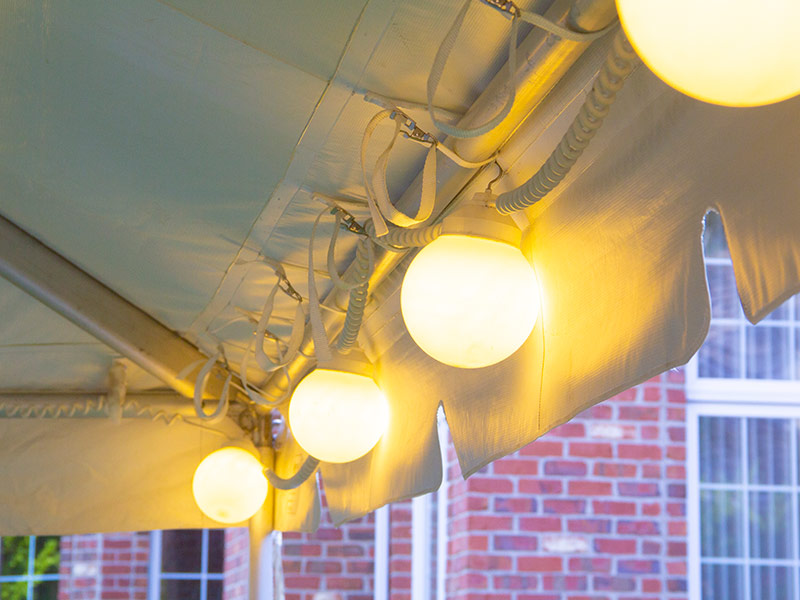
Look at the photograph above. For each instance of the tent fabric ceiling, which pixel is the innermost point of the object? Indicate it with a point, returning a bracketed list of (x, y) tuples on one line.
[(618, 253), (165, 146)]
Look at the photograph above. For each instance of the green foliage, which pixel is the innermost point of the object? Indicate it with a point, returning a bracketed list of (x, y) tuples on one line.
[(15, 562)]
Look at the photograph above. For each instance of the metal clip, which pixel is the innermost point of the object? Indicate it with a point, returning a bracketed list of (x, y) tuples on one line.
[(349, 221), (505, 6), (286, 286), (412, 131)]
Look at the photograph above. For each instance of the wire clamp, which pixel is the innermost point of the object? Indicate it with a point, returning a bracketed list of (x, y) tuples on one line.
[(508, 7), (412, 131), (349, 222), (286, 286)]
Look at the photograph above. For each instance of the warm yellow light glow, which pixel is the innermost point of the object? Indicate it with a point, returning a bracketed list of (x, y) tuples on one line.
[(336, 416), (469, 302), (732, 52), (229, 485)]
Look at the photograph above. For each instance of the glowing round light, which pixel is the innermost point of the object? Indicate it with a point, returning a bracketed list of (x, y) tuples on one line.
[(337, 416), (469, 302), (731, 52), (229, 485)]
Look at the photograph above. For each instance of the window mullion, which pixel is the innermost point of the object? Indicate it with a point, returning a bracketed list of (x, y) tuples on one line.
[(745, 505), (793, 522), (204, 566), (31, 564)]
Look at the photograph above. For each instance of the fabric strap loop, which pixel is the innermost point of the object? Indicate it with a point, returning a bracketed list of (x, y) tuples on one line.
[(221, 409), (380, 206)]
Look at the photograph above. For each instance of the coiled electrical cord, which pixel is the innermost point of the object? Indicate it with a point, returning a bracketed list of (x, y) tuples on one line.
[(619, 63), (358, 297), (400, 238), (305, 471)]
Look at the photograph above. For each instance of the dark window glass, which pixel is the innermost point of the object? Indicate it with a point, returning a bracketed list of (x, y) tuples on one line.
[(216, 550), (179, 589), (181, 551), (214, 590)]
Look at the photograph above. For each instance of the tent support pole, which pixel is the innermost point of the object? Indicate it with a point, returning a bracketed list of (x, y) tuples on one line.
[(98, 310)]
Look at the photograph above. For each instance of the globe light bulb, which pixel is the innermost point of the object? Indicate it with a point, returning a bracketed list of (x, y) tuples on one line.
[(337, 416), (229, 485), (731, 52), (469, 302)]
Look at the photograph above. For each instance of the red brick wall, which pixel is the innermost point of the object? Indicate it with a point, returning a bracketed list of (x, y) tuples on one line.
[(594, 510), (237, 564), (335, 560), (400, 551), (104, 567)]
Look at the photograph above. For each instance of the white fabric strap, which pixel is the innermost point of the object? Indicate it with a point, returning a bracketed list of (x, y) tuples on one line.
[(564, 33), (438, 68), (221, 409), (462, 162), (258, 396), (380, 206), (387, 103), (322, 346), (449, 41), (298, 331)]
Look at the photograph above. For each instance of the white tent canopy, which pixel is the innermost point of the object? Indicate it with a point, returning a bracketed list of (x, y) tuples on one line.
[(164, 148)]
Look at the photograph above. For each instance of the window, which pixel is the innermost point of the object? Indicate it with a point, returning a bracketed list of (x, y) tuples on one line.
[(737, 357), (746, 502), (30, 567), (743, 428), (187, 564), (429, 532)]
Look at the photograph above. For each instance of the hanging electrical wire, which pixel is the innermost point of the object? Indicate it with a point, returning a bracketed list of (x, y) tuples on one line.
[(618, 65)]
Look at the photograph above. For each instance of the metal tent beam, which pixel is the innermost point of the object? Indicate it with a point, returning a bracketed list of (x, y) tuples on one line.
[(79, 297)]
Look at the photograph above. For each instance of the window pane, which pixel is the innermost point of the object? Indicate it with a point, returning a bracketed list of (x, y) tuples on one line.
[(768, 451), (797, 351), (720, 450), (771, 583), (15, 555), (770, 525), (779, 314), (181, 551), (14, 590), (721, 523), (714, 244), (719, 355), (724, 297), (45, 590), (722, 582), (47, 555), (767, 352), (180, 589), (216, 550), (214, 590)]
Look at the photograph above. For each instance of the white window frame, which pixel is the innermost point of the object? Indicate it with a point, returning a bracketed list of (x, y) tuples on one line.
[(30, 578), (744, 389), (422, 529), (155, 575), (694, 411)]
